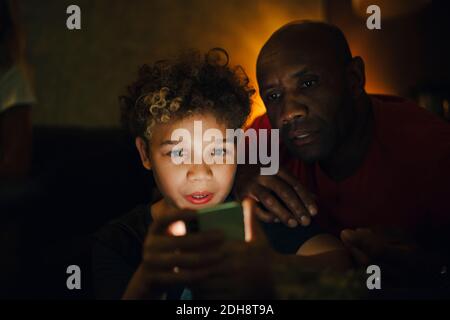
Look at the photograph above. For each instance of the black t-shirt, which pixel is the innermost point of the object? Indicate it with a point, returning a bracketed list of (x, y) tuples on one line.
[(117, 250)]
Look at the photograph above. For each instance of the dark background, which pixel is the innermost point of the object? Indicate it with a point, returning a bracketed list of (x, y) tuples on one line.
[(85, 169)]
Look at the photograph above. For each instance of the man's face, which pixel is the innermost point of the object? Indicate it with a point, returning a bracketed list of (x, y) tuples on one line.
[(305, 95)]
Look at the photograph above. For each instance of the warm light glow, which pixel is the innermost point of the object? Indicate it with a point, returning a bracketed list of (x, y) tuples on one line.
[(178, 228), (389, 9), (245, 38), (377, 80)]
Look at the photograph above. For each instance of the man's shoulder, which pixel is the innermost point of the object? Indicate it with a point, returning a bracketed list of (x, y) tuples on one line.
[(401, 121), (401, 113), (410, 134)]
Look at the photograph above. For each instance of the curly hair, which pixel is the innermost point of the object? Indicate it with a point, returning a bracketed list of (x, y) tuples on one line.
[(193, 83)]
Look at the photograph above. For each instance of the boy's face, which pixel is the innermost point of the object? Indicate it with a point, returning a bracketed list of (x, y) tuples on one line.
[(191, 185)]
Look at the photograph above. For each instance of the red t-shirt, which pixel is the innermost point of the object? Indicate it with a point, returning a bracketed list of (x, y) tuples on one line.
[(404, 180)]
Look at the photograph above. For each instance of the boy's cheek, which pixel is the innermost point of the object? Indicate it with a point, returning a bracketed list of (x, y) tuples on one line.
[(226, 176)]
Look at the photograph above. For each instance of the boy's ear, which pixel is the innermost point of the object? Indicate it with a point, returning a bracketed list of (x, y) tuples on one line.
[(144, 150)]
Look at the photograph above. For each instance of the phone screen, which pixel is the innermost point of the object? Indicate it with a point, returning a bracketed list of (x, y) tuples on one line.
[(227, 217)]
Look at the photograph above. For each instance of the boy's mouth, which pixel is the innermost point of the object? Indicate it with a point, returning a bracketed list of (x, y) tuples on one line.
[(200, 197)]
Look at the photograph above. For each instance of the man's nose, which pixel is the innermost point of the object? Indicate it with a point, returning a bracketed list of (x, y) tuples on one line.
[(199, 172), (291, 110)]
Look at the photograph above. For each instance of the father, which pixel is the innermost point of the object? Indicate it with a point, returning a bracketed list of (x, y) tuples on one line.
[(354, 159)]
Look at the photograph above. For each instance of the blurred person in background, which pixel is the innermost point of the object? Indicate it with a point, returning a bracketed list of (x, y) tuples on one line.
[(16, 96), (16, 100)]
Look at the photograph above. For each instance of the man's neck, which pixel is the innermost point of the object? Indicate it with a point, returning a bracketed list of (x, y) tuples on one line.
[(349, 155)]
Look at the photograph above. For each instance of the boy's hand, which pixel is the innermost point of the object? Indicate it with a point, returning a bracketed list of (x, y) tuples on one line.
[(281, 197), (171, 261), (246, 271)]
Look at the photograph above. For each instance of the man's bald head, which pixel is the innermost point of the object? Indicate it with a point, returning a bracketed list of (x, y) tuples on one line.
[(304, 37)]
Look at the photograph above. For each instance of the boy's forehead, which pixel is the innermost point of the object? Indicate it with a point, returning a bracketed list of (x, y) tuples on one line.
[(196, 125)]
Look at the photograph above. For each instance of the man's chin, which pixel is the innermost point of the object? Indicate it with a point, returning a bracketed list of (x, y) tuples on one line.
[(307, 154)]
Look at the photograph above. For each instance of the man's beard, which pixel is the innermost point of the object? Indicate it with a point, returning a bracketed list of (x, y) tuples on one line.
[(316, 151)]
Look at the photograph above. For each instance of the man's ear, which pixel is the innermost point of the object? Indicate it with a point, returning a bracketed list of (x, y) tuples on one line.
[(144, 151), (356, 76)]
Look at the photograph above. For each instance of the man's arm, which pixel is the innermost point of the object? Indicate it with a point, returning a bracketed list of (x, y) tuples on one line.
[(325, 251), (402, 258)]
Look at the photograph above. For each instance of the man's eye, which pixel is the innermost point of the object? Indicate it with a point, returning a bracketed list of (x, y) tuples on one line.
[(273, 96), (308, 83), (175, 153), (219, 152)]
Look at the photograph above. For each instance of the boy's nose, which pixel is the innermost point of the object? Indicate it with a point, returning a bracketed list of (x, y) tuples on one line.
[(198, 172)]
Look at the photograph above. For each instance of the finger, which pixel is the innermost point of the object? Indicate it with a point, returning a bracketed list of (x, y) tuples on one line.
[(347, 236), (264, 215), (307, 198), (305, 220), (160, 225), (256, 192), (177, 228), (361, 259), (197, 241), (365, 248), (287, 195), (355, 238), (369, 241), (253, 229), (364, 240), (186, 277), (272, 205), (182, 260), (216, 287)]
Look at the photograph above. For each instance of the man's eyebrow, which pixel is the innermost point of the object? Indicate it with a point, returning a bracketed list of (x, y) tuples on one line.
[(295, 74), (300, 73)]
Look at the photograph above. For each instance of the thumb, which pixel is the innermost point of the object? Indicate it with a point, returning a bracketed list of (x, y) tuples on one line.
[(351, 241), (360, 258), (161, 224), (253, 229)]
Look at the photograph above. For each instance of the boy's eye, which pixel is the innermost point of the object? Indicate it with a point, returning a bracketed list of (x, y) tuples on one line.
[(219, 152), (176, 153), (307, 84)]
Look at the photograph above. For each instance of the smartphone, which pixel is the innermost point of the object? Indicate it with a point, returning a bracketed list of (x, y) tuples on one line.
[(227, 217)]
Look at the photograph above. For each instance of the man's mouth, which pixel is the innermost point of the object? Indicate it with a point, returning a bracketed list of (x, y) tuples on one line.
[(301, 137), (200, 197)]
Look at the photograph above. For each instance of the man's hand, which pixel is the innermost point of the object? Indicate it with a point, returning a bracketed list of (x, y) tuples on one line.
[(280, 197), (400, 258), (370, 246)]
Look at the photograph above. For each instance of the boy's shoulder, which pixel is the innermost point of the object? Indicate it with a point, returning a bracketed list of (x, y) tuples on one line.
[(125, 234)]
